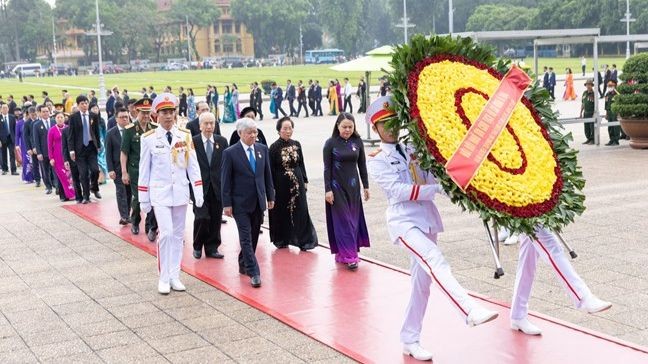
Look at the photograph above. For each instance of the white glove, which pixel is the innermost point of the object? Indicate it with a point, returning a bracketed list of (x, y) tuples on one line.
[(199, 202), (440, 190), (146, 207)]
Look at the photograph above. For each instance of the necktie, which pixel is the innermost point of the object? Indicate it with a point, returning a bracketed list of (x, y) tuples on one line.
[(400, 151), (47, 124), (121, 132), (251, 160), (169, 137), (209, 149), (86, 131)]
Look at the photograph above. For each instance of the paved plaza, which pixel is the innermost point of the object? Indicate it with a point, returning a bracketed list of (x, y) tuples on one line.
[(72, 292)]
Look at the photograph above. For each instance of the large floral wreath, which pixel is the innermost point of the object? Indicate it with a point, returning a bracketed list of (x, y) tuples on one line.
[(531, 176)]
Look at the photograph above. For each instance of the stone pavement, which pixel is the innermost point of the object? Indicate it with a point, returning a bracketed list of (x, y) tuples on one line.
[(72, 292)]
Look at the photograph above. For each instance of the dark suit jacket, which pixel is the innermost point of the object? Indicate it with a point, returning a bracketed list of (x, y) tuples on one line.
[(258, 99), (194, 127), (318, 92), (211, 175), (278, 95), (64, 145), (28, 131), (290, 92), (111, 122), (545, 80), (39, 138), (234, 138), (113, 150), (241, 188), (75, 139), (7, 136), (552, 79)]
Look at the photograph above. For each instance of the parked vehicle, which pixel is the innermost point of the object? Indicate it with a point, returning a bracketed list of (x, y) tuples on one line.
[(28, 69)]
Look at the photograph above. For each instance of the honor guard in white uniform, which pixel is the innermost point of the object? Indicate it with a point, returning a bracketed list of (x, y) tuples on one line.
[(546, 245), (413, 223), (167, 165)]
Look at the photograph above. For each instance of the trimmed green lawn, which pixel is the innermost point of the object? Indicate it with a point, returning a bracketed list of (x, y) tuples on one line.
[(198, 80), (560, 64)]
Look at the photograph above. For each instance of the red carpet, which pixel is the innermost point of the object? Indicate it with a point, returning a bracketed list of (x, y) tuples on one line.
[(359, 313)]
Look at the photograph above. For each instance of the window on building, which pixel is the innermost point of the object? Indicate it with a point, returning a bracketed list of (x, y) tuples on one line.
[(216, 27), (237, 27), (228, 48), (227, 27), (239, 46), (217, 46)]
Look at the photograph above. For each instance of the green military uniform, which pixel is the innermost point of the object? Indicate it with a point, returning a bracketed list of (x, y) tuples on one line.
[(131, 147), (613, 131), (587, 107)]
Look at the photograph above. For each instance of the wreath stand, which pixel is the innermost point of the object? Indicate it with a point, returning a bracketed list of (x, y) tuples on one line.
[(494, 243)]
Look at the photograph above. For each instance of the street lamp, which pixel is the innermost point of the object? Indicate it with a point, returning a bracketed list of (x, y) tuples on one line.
[(450, 18), (627, 19), (404, 22), (99, 32)]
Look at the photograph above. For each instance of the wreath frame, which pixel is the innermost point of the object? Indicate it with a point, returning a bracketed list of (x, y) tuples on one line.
[(570, 202)]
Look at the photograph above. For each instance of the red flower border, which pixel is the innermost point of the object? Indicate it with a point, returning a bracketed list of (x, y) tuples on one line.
[(532, 210)]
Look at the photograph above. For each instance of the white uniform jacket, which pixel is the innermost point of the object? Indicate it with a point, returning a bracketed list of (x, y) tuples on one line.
[(409, 190), (164, 168)]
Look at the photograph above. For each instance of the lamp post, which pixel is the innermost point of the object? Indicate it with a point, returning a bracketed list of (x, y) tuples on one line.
[(450, 18), (55, 70), (99, 32), (188, 42), (627, 19), (405, 24)]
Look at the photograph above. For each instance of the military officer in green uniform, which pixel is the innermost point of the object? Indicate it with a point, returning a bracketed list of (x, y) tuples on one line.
[(130, 156), (613, 131), (587, 110)]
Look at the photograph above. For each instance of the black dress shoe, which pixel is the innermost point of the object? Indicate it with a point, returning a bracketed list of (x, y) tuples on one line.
[(281, 245), (79, 201), (14, 173), (37, 184), (151, 235), (215, 255), (85, 201), (242, 270), (48, 191), (197, 254), (308, 247), (352, 266), (123, 221), (135, 229), (65, 199), (256, 281), (97, 195)]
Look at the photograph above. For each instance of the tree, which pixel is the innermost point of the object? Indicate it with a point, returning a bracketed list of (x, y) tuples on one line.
[(198, 13), (136, 30), (26, 26), (271, 35), (500, 17), (342, 20)]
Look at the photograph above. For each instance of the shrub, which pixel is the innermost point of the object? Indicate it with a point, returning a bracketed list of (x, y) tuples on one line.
[(632, 100)]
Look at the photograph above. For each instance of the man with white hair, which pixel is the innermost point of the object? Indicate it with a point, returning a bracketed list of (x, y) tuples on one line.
[(247, 189), (207, 219), (167, 165)]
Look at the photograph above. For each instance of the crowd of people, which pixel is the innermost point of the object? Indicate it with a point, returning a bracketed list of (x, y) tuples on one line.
[(160, 166)]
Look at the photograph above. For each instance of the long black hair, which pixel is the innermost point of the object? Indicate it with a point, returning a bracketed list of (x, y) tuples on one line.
[(345, 116)]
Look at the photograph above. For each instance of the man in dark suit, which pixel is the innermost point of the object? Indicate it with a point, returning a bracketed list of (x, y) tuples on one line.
[(110, 104), (278, 99), (7, 140), (39, 142), (606, 78), (318, 99), (84, 144), (28, 131), (552, 83), (311, 96), (291, 94), (258, 100), (194, 125), (112, 121), (71, 166), (113, 153), (207, 219), (545, 78), (246, 185)]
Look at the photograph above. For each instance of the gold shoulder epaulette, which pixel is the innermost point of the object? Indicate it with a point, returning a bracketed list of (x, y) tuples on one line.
[(375, 152), (150, 132), (129, 126), (185, 130)]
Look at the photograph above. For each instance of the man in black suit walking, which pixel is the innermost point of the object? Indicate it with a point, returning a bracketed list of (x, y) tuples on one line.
[(113, 153), (7, 140), (84, 144), (258, 100), (28, 130), (207, 219), (318, 99), (246, 185), (39, 142), (278, 99), (290, 96)]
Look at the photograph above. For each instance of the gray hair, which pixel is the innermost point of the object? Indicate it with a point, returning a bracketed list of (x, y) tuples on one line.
[(244, 124), (206, 116)]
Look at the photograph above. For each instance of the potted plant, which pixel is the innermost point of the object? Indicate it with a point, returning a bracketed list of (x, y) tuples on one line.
[(631, 104)]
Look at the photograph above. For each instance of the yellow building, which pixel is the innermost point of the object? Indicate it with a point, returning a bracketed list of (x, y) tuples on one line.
[(226, 37)]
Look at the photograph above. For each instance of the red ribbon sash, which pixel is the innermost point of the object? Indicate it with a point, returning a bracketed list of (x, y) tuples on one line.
[(482, 135)]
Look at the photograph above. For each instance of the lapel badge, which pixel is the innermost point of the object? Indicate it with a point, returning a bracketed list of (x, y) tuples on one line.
[(217, 146)]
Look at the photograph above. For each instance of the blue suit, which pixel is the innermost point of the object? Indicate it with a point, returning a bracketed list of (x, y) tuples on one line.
[(246, 192)]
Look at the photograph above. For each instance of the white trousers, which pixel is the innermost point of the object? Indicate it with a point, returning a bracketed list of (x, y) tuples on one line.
[(428, 265), (549, 248), (171, 224)]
